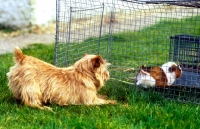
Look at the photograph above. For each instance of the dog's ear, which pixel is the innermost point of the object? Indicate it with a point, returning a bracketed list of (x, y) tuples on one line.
[(97, 61), (85, 54)]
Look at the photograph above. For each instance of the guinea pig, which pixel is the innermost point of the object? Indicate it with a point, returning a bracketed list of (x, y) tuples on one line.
[(158, 76)]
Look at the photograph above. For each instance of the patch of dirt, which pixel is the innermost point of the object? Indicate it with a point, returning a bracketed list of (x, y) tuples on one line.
[(7, 44), (22, 38)]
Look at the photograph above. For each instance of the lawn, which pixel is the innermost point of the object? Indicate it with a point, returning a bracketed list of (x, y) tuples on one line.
[(136, 108)]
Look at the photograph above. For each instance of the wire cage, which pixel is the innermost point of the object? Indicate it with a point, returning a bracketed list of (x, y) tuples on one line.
[(133, 33)]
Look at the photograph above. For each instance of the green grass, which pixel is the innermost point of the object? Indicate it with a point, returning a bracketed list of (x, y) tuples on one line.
[(6, 29), (136, 108)]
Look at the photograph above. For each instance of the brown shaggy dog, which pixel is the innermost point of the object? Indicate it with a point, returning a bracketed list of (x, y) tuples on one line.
[(36, 82)]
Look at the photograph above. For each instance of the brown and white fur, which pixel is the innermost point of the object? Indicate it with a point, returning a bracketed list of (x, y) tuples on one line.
[(158, 76), (36, 82)]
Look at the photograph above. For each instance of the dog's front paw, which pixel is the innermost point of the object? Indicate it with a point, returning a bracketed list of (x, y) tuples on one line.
[(112, 102), (102, 96)]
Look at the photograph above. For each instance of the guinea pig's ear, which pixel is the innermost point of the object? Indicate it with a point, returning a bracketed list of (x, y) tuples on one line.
[(179, 66)]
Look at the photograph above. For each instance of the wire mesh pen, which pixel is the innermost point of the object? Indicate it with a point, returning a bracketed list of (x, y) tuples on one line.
[(132, 33)]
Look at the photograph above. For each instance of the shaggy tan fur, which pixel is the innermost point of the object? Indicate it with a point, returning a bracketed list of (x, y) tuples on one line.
[(36, 82)]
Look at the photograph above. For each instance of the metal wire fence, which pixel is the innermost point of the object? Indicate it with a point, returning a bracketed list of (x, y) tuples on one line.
[(129, 34)]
